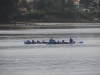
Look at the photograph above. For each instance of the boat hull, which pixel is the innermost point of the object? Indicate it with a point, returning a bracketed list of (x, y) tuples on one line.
[(25, 42)]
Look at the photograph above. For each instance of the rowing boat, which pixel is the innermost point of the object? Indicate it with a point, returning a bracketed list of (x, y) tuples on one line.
[(51, 41)]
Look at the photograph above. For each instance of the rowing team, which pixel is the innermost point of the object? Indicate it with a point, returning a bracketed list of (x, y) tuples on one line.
[(51, 41)]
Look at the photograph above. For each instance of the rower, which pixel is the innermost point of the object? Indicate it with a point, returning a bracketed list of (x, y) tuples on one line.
[(63, 41), (71, 40), (51, 40), (28, 42), (43, 41), (33, 41)]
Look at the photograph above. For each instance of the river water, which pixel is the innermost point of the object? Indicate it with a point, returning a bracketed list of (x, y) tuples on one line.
[(16, 58)]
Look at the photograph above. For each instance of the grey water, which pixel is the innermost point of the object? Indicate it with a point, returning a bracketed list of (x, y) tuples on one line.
[(16, 58)]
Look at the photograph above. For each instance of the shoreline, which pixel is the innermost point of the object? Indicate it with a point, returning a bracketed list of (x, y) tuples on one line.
[(43, 25), (61, 21), (54, 21)]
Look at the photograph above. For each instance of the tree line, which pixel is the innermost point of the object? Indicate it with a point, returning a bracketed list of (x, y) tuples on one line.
[(9, 8)]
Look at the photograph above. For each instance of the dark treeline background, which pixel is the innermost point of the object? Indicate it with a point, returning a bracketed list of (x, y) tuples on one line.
[(45, 9), (8, 9)]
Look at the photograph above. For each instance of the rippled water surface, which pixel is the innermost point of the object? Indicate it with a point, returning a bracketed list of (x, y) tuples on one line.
[(16, 58)]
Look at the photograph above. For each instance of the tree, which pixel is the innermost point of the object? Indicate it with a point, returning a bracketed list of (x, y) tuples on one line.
[(35, 4), (7, 9), (41, 4), (63, 5), (96, 4), (70, 4), (99, 3), (49, 4), (23, 3), (86, 2)]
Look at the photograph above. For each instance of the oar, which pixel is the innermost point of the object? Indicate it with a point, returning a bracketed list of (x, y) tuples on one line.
[(79, 42)]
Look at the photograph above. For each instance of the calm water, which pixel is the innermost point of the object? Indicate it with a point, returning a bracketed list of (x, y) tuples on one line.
[(77, 59)]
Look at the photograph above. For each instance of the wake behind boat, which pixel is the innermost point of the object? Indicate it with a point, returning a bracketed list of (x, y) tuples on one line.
[(51, 41)]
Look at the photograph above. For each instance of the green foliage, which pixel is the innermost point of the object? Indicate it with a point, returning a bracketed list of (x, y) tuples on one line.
[(35, 14), (42, 8), (54, 12), (68, 15), (91, 8), (94, 14)]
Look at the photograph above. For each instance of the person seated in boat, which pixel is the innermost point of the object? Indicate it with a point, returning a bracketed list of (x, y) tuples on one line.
[(71, 40), (63, 41), (38, 41), (28, 41), (43, 41), (51, 40), (33, 41)]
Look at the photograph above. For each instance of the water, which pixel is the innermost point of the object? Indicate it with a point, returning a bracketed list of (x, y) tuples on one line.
[(76, 59)]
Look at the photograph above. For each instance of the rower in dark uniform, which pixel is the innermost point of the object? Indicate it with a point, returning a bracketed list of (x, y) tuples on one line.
[(71, 40)]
